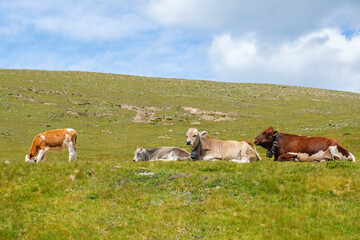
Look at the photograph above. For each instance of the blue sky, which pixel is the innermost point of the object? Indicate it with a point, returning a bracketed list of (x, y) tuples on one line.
[(302, 43)]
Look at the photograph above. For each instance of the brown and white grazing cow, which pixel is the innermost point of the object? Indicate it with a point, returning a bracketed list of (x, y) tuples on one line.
[(209, 149), (289, 147), (161, 154), (52, 141)]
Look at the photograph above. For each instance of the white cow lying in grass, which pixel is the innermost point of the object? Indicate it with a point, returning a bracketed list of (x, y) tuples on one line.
[(161, 154), (209, 149), (52, 141)]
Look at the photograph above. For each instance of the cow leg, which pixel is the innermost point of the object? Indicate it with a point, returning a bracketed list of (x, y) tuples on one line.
[(72, 154), (210, 158), (73, 144), (183, 158), (287, 157), (41, 155), (75, 155), (334, 153), (243, 159), (44, 156), (239, 161), (327, 157), (72, 151)]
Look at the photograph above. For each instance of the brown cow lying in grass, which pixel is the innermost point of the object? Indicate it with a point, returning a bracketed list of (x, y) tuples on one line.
[(161, 154), (52, 141), (289, 147), (208, 149)]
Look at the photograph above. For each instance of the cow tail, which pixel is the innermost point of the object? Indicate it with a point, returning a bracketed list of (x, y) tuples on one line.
[(257, 155), (75, 138), (352, 157), (254, 147)]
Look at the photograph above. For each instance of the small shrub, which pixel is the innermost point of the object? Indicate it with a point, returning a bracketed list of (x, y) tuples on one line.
[(93, 196)]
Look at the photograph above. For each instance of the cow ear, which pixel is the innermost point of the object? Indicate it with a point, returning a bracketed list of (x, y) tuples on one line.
[(204, 133)]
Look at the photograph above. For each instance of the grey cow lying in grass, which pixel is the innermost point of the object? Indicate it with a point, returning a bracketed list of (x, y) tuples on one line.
[(161, 154)]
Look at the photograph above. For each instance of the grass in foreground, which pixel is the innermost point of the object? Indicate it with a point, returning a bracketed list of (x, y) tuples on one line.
[(181, 200)]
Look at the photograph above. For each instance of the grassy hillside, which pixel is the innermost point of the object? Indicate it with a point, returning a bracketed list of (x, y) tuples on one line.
[(102, 195)]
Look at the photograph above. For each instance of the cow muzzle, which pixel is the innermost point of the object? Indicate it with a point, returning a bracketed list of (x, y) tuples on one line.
[(255, 141), (188, 143)]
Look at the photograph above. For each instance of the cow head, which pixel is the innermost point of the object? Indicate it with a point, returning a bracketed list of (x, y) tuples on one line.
[(140, 154), (266, 138), (30, 158), (193, 137)]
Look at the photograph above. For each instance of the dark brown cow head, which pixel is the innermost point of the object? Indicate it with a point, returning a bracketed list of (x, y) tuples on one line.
[(266, 138)]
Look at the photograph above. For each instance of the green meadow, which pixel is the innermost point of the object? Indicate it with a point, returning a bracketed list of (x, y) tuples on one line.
[(105, 195)]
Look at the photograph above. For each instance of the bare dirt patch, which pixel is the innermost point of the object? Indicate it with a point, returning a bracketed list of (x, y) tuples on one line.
[(199, 111), (146, 114), (76, 113), (78, 103), (32, 99), (211, 115), (167, 123), (225, 118), (149, 114), (56, 92), (41, 91)]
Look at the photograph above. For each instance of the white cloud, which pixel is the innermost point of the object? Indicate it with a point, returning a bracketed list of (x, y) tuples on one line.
[(323, 58), (189, 13), (272, 19), (85, 20)]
